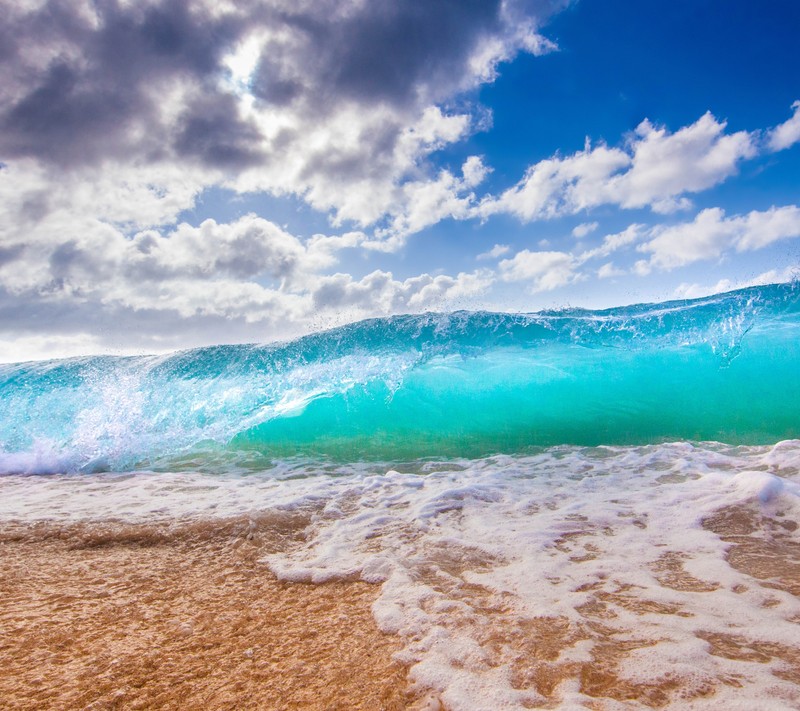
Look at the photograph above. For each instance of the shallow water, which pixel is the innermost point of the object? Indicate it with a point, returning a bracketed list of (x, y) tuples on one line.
[(565, 578)]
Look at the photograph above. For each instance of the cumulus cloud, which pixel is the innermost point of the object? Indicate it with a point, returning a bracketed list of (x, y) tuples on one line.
[(653, 168), (244, 280), (611, 243), (548, 270), (338, 102), (427, 202), (687, 290), (132, 196), (585, 228), (609, 271), (786, 134), (711, 234), (497, 251), (100, 262), (380, 293), (543, 271), (116, 116)]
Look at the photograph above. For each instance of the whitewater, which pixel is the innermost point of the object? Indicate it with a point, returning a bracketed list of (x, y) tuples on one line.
[(565, 509)]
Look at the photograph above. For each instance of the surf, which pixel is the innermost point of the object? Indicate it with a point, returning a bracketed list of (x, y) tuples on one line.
[(460, 384)]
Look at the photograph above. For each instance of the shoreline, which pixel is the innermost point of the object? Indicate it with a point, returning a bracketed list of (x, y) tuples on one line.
[(106, 614), (459, 590)]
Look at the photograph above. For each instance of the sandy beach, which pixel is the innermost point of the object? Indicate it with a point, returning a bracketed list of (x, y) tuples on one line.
[(113, 615), (118, 616)]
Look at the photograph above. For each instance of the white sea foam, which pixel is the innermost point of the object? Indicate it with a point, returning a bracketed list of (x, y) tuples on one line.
[(481, 561)]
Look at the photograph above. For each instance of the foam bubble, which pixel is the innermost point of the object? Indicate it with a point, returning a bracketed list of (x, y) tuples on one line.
[(560, 578)]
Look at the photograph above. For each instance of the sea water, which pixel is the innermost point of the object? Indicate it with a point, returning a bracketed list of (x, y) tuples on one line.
[(570, 509)]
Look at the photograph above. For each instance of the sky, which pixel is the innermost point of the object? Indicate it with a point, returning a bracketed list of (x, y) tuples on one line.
[(180, 173)]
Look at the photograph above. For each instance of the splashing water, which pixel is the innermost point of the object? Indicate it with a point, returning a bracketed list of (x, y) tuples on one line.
[(459, 384)]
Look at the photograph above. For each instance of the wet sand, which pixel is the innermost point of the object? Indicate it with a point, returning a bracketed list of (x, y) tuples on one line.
[(145, 617), (183, 615)]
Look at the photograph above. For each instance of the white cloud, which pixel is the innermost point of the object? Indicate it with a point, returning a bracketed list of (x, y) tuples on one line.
[(132, 197), (641, 267), (558, 186), (99, 255), (544, 271), (474, 171), (427, 202), (523, 35), (497, 251), (585, 228), (300, 100), (379, 293), (666, 165), (244, 280), (339, 167), (547, 270), (711, 234), (760, 229), (773, 276), (27, 347), (609, 271), (612, 243), (104, 150), (787, 133), (669, 205), (653, 168)]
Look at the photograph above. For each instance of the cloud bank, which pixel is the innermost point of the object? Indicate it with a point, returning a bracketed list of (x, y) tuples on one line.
[(338, 102), (117, 116)]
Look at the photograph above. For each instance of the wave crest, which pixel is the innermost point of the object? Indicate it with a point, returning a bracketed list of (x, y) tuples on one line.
[(456, 384)]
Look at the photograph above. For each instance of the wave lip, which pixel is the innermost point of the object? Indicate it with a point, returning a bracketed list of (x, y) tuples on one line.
[(722, 368)]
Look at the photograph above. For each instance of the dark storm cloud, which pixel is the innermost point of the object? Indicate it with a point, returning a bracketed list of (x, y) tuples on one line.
[(210, 130), (83, 105), (79, 91), (388, 51), (63, 120)]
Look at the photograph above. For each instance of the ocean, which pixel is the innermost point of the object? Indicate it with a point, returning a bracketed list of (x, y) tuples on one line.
[(564, 509)]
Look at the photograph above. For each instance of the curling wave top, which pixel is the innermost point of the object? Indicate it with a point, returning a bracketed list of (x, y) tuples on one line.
[(721, 368)]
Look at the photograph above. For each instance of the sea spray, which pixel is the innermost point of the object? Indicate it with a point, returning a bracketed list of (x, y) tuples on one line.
[(462, 384)]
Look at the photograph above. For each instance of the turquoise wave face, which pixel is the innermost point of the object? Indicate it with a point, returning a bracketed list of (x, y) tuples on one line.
[(723, 368)]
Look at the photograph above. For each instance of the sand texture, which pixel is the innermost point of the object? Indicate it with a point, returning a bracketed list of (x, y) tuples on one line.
[(166, 617), (113, 615)]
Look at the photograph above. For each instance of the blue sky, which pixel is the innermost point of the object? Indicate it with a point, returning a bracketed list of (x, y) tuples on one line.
[(179, 174)]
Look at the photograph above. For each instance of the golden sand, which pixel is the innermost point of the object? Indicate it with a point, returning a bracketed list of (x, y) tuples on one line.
[(184, 616), (164, 617)]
